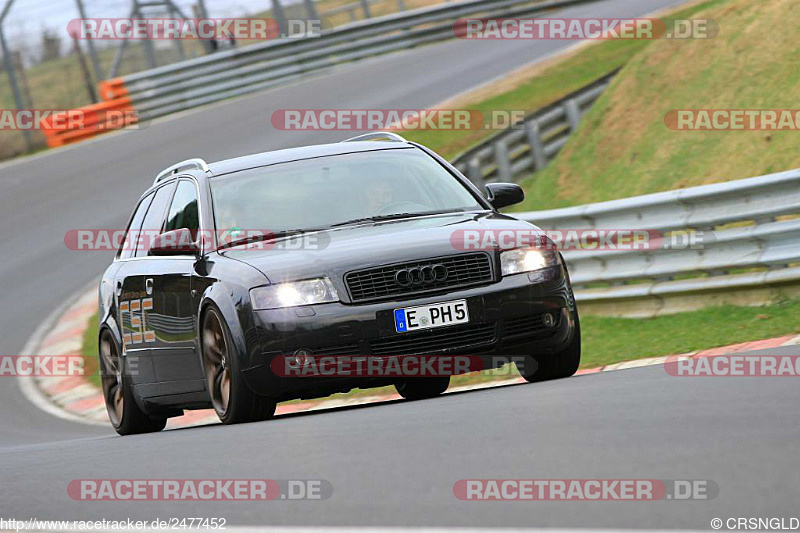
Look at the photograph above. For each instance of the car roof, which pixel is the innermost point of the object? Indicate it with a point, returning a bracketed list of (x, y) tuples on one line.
[(303, 152)]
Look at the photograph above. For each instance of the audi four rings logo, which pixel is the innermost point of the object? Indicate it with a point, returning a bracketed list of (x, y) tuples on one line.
[(418, 276)]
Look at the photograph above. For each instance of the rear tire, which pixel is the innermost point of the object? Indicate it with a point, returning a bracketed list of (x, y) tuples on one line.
[(123, 411), (421, 388), (232, 399)]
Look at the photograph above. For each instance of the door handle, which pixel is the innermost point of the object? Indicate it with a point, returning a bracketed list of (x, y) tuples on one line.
[(148, 285), (119, 288)]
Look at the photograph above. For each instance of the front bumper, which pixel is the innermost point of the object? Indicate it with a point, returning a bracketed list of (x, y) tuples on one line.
[(505, 321)]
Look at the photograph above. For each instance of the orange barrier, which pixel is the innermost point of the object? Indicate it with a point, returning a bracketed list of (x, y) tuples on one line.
[(112, 89), (88, 121)]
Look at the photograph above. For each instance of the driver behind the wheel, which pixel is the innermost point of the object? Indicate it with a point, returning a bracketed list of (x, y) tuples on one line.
[(377, 195)]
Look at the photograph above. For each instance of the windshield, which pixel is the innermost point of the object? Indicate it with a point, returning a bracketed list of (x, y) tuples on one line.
[(320, 192)]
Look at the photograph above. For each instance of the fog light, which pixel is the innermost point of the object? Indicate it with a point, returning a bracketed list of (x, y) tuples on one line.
[(301, 357), (549, 320)]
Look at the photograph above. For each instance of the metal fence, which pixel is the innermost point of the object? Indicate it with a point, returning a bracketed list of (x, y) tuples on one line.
[(744, 234), (529, 146), (207, 79)]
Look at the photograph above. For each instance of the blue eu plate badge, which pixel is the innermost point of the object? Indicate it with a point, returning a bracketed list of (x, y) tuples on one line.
[(400, 320)]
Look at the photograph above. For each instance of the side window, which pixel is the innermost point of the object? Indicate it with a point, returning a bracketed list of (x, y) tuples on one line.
[(154, 220), (183, 212), (129, 243)]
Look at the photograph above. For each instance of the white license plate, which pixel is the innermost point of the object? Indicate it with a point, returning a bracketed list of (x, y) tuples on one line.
[(431, 316)]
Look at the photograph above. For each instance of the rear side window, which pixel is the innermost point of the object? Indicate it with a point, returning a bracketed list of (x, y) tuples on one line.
[(154, 220), (183, 212), (129, 244)]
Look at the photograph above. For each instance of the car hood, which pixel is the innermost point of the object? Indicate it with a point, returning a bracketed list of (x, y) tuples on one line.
[(341, 250)]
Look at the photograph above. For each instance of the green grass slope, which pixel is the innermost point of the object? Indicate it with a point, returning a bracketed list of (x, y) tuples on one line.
[(624, 148)]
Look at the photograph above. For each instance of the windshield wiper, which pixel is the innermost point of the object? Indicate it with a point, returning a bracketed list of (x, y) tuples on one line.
[(393, 216), (267, 236)]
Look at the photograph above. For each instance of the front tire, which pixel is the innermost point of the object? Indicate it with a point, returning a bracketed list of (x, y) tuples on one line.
[(123, 412), (422, 388), (232, 399), (536, 368)]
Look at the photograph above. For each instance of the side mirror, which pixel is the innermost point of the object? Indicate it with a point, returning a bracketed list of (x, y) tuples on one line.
[(504, 194), (175, 242)]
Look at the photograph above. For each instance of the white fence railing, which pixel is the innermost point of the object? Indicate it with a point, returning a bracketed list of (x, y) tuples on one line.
[(529, 146), (744, 234)]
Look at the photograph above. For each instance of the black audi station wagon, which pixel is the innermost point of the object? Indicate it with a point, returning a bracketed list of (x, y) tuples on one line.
[(342, 249)]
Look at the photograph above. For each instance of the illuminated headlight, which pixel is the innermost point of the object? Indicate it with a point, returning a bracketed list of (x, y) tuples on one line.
[(307, 292), (526, 260)]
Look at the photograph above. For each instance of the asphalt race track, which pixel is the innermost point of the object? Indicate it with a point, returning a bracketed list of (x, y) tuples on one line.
[(389, 464), (396, 463)]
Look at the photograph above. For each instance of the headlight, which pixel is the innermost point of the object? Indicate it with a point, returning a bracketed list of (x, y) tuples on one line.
[(526, 260), (307, 292)]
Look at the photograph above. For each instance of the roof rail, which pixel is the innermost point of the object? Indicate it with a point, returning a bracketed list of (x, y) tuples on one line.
[(375, 135), (195, 163)]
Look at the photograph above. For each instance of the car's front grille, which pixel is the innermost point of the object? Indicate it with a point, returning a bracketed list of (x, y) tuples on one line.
[(462, 271), (465, 337), (528, 326)]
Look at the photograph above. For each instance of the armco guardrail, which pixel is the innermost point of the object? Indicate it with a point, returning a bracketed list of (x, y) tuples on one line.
[(746, 233), (207, 79), (529, 146)]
